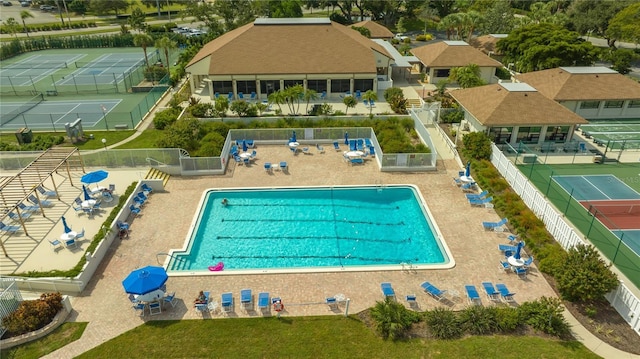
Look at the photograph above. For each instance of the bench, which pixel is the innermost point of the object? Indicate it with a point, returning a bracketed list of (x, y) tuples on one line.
[(123, 126), (52, 92)]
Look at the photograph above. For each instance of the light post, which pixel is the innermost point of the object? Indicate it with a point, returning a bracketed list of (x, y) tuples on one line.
[(423, 88), (104, 143)]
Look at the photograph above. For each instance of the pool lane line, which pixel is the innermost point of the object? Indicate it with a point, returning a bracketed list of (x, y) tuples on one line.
[(312, 220), (349, 257), (358, 239), (591, 183)]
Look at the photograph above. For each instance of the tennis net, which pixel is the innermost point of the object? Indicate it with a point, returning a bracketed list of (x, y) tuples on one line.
[(7, 117), (39, 65), (102, 64), (612, 210)]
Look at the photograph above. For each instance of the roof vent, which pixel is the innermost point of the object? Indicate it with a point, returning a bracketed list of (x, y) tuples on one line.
[(525, 95)]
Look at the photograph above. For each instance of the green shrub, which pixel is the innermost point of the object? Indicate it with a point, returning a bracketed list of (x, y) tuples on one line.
[(391, 319), (545, 315), (33, 314), (507, 320), (443, 323), (503, 73), (585, 276), (425, 37), (479, 320), (163, 119), (455, 116), (202, 110)]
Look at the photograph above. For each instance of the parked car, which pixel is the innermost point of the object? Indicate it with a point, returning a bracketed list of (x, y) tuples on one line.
[(400, 37), (7, 3), (47, 7)]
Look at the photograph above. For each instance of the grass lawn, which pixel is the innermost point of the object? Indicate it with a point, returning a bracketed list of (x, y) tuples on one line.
[(96, 143), (147, 139), (312, 337), (63, 335)]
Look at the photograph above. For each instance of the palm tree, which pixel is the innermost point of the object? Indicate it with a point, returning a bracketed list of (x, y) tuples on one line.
[(166, 44), (24, 14), (370, 96), (472, 19), (144, 41), (277, 97), (12, 26), (310, 95), (349, 101)]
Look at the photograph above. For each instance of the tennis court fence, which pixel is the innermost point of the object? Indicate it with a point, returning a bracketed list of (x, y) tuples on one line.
[(33, 102)]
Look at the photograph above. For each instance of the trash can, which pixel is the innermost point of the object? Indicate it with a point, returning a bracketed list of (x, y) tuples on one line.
[(24, 135), (597, 159)]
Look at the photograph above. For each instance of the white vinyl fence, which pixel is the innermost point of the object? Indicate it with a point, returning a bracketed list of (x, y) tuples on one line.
[(622, 299)]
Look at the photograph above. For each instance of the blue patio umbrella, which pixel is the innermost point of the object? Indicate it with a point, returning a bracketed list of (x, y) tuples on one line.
[(467, 171), (145, 280), (94, 177), (293, 137), (346, 138), (87, 196), (66, 227), (518, 249), (244, 146)]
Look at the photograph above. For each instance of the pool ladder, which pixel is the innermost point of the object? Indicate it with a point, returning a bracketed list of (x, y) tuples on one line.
[(407, 267)]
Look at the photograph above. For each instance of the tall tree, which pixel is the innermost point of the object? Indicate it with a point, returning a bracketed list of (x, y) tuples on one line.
[(106, 6), (12, 26), (626, 24), (79, 6), (387, 11), (471, 20), (369, 96), (166, 44), (206, 13), (234, 13), (498, 19), (285, 8), (143, 41), (592, 16), (24, 15), (544, 46), (349, 102), (426, 13), (136, 20)]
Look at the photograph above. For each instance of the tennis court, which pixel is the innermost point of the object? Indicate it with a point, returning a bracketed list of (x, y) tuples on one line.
[(596, 187), (614, 130), (39, 115)]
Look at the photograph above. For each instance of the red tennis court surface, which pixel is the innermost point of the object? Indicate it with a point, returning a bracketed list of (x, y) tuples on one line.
[(621, 214)]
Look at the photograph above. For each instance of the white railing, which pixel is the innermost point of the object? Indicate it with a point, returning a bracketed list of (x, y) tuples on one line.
[(622, 299)]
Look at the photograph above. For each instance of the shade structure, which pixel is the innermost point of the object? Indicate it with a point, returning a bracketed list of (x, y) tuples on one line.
[(244, 146), (293, 137), (87, 196), (518, 249), (145, 280), (94, 177), (467, 171), (346, 138), (67, 229)]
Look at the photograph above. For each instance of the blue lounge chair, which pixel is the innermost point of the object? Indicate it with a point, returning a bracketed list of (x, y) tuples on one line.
[(387, 290), (372, 151), (135, 210), (481, 202), (146, 189), (495, 226), (227, 302), (507, 247), (46, 193), (433, 291), (201, 307), (512, 237), (478, 196), (528, 262), (367, 142), (8, 229), (246, 299), (26, 208), (505, 294), (360, 144), (263, 301), (336, 146), (43, 203), (17, 218), (472, 294), (492, 293)]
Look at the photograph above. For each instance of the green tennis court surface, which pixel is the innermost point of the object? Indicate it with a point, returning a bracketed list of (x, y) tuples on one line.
[(596, 187), (615, 130)]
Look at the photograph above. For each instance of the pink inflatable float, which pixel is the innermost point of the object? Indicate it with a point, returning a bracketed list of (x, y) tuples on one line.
[(217, 268)]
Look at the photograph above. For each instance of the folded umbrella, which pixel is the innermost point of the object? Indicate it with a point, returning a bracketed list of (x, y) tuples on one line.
[(293, 138), (518, 249), (467, 171), (67, 229), (87, 196)]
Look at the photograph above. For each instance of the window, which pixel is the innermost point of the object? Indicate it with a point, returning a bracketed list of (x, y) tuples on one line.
[(613, 104), (634, 104), (269, 86), (441, 73), (528, 134), (246, 87), (291, 83), (338, 85), (501, 134), (589, 105), (557, 133), (362, 85), (317, 85), (222, 87)]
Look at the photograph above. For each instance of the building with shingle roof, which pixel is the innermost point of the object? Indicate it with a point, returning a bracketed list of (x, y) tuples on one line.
[(377, 31), (516, 112), (487, 43), (272, 54), (439, 58), (591, 92)]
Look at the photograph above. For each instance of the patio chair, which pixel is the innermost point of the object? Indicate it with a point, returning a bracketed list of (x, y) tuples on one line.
[(155, 308), (505, 294), (521, 272), (319, 148), (492, 293), (238, 160), (366, 103), (22, 216), (263, 301), (216, 95), (246, 161), (170, 299), (267, 167), (8, 229), (387, 290), (201, 307), (332, 302), (29, 209), (112, 187), (36, 201), (55, 244), (284, 166), (323, 95), (505, 266), (481, 202), (372, 103), (336, 146), (358, 95), (46, 192), (356, 161), (472, 294), (139, 307), (78, 201), (411, 299), (227, 302), (246, 299), (240, 96), (71, 243), (512, 238), (80, 234), (372, 151), (433, 291), (527, 263), (507, 247), (305, 150), (495, 226), (134, 210), (230, 96), (253, 96)]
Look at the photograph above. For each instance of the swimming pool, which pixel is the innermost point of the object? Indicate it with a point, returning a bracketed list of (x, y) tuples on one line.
[(341, 228)]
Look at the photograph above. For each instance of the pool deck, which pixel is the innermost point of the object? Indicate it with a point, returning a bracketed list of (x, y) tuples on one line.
[(167, 216)]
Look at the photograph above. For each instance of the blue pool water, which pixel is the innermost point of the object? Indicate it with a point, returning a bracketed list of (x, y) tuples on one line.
[(337, 227)]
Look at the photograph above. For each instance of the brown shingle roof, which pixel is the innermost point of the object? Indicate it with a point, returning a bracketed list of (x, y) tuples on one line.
[(442, 54), (493, 105), (485, 43), (377, 31), (294, 48), (562, 85)]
